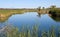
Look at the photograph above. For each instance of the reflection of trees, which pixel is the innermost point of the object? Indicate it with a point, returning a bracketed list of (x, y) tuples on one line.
[(39, 15), (55, 18)]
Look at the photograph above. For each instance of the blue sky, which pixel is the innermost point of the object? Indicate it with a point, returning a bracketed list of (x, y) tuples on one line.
[(28, 3)]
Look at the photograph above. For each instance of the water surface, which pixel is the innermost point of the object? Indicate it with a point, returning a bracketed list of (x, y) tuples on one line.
[(31, 18)]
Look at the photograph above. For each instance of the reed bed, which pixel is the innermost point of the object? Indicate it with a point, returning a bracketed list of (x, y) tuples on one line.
[(26, 31)]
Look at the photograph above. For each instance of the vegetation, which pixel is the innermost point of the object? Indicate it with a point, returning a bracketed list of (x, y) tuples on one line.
[(55, 10), (6, 13), (26, 31), (11, 31)]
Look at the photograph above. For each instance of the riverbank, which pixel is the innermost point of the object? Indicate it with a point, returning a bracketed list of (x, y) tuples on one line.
[(5, 13)]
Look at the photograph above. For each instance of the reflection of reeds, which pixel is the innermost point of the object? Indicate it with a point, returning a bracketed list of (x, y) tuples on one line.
[(26, 31)]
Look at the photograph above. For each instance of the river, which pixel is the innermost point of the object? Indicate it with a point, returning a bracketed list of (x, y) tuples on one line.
[(31, 18)]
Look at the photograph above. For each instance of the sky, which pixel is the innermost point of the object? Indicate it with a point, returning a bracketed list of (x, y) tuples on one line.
[(28, 3)]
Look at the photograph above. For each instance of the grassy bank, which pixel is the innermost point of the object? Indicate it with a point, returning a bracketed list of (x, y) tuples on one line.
[(5, 13)]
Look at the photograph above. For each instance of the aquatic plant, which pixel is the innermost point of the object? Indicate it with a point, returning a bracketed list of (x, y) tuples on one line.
[(25, 31)]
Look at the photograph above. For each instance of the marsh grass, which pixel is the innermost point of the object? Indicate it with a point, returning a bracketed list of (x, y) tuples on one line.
[(25, 31)]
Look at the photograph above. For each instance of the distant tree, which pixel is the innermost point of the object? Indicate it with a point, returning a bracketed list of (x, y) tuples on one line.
[(43, 8), (53, 6), (39, 8)]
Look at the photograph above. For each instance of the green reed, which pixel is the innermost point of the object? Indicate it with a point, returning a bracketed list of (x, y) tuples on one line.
[(26, 31)]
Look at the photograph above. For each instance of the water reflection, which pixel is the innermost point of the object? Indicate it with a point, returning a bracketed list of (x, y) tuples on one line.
[(56, 18), (31, 18), (38, 14), (44, 21)]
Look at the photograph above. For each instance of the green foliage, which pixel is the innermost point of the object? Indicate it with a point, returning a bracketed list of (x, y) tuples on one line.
[(35, 31), (57, 10), (13, 32)]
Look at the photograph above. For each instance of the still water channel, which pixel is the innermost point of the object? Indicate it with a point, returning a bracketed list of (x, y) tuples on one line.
[(31, 18)]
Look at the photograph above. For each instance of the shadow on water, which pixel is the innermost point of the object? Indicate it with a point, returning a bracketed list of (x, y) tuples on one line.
[(55, 18), (55, 15)]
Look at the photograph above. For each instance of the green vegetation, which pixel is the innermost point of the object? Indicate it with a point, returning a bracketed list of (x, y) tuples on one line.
[(55, 10), (25, 31), (6, 13)]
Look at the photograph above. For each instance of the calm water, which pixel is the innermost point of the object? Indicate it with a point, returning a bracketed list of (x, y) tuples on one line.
[(31, 18)]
